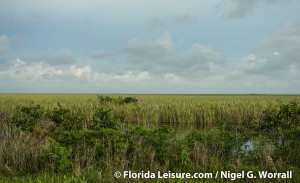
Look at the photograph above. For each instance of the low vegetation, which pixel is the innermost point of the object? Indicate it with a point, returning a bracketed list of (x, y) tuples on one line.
[(63, 142)]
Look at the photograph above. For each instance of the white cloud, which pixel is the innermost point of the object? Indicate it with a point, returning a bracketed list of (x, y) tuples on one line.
[(131, 76), (276, 53), (172, 77), (20, 71), (252, 64), (19, 63), (81, 72), (248, 58)]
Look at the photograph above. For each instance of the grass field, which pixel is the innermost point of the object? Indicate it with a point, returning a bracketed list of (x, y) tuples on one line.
[(87, 137)]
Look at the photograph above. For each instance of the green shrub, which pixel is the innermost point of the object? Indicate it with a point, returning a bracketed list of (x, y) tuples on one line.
[(120, 100), (103, 119), (104, 99), (128, 100), (63, 118), (60, 157), (28, 117)]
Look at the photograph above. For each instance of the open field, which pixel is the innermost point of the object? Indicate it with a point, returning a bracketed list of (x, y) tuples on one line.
[(153, 110), (87, 137)]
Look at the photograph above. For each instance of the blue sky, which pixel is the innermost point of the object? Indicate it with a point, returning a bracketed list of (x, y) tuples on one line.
[(143, 46)]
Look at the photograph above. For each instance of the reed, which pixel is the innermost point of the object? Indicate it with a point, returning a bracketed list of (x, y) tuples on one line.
[(74, 138)]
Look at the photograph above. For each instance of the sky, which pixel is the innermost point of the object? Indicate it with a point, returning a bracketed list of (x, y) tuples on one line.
[(150, 46)]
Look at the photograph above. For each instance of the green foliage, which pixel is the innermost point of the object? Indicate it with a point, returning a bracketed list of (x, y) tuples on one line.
[(161, 140), (45, 178), (28, 117), (128, 100), (95, 145), (59, 114), (120, 100), (286, 116), (281, 124), (60, 157), (92, 175), (104, 99), (63, 117), (195, 137), (158, 145), (103, 119)]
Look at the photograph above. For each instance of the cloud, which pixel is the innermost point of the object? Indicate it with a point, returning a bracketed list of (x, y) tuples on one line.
[(254, 69), (159, 56), (272, 67), (172, 77), (145, 48), (63, 57), (40, 18), (275, 58), (20, 71), (131, 76), (142, 59), (4, 44), (283, 45), (159, 23), (101, 54), (275, 61), (276, 52), (241, 9), (81, 72)]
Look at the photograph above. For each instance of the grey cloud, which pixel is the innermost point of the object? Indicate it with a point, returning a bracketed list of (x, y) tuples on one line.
[(40, 17), (4, 50), (4, 44), (160, 57), (101, 54), (147, 48), (63, 57), (283, 45), (159, 23), (276, 59), (268, 66), (87, 22), (241, 8), (186, 18)]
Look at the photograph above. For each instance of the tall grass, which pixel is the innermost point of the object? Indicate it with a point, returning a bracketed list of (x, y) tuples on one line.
[(181, 111), (76, 135)]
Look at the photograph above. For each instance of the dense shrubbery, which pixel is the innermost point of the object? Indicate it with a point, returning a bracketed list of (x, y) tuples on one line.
[(120, 100), (93, 151)]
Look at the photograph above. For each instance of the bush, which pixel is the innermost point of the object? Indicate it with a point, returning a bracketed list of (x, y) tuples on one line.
[(120, 100), (28, 117), (103, 119), (60, 157)]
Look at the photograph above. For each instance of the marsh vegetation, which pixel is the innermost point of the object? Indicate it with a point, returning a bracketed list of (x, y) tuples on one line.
[(86, 138)]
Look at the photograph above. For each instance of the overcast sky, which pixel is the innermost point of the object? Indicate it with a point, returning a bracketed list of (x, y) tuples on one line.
[(150, 46)]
